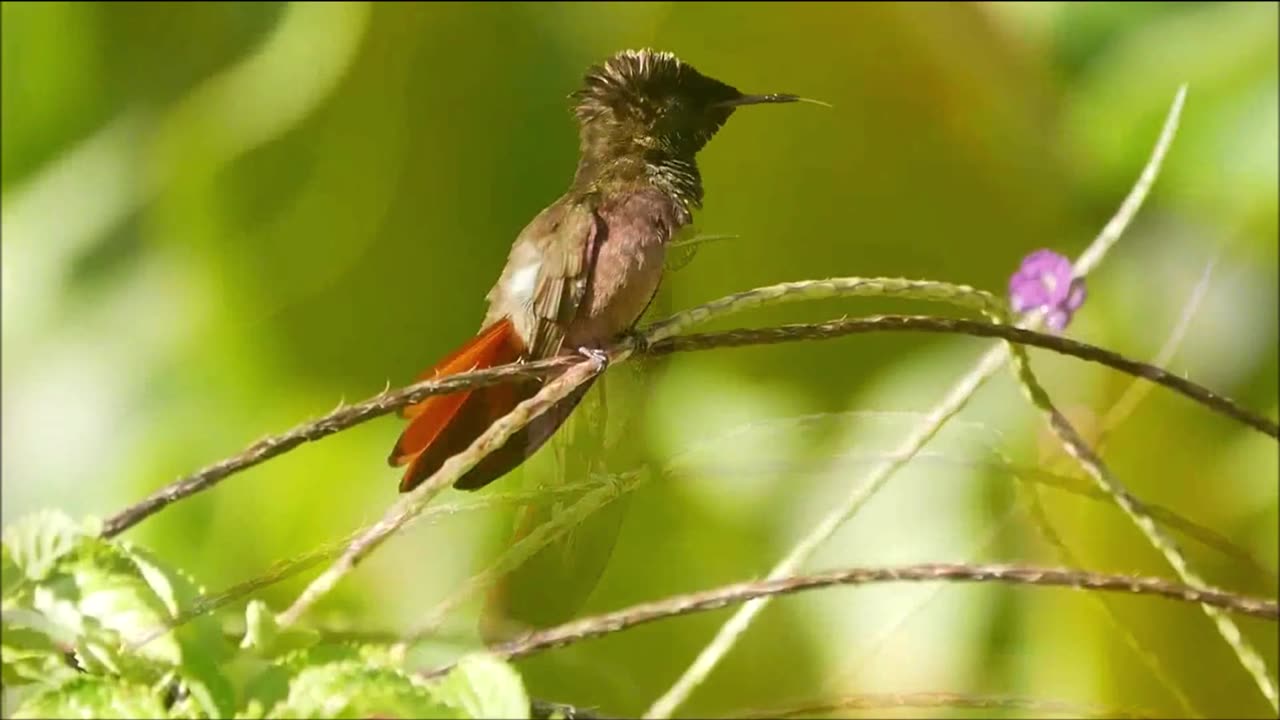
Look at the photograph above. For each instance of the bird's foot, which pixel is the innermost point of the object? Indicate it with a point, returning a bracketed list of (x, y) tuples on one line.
[(597, 356)]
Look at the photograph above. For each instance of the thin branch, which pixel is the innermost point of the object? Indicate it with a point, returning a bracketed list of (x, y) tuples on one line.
[(596, 626), (341, 419), (920, 323), (941, 700), (1036, 707), (287, 568), (604, 490), (946, 409), (385, 403)]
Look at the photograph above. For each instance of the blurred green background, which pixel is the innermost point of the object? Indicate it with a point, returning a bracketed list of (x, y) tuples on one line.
[(220, 220)]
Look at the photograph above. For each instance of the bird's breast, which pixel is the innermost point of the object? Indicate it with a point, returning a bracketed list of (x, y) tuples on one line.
[(628, 266)]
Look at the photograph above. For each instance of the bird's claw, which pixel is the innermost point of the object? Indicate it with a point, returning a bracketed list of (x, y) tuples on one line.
[(597, 356)]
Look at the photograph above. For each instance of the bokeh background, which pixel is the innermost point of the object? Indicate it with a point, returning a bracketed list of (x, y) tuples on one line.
[(220, 220)]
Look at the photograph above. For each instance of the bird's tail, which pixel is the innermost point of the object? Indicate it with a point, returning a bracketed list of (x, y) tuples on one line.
[(442, 426)]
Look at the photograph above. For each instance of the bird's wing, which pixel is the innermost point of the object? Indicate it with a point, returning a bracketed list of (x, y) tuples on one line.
[(545, 281)]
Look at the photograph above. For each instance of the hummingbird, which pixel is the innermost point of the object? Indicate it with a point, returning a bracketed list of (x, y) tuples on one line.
[(584, 270)]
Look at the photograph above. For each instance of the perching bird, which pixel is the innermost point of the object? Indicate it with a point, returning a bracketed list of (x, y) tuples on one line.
[(585, 269)]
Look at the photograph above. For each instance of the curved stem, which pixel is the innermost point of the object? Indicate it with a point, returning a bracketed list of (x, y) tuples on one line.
[(598, 625)]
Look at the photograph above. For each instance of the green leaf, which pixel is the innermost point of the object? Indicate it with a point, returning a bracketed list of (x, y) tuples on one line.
[(200, 641), (270, 684), (113, 592), (55, 600), (354, 689), (174, 588), (388, 657), (119, 602), (485, 687), (100, 650), (37, 542), (30, 655), (132, 593), (97, 648), (95, 697)]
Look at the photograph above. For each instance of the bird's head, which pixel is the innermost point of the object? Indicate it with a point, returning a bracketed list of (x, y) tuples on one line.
[(651, 102)]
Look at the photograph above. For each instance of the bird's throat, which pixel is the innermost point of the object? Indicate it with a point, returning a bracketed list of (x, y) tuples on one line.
[(675, 177)]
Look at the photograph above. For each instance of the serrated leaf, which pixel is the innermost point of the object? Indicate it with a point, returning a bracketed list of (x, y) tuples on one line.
[(119, 601), (390, 657), (353, 689), (113, 592), (56, 600), (95, 697), (270, 685), (99, 658), (38, 541), (199, 640), (485, 687), (173, 587), (101, 651), (32, 656)]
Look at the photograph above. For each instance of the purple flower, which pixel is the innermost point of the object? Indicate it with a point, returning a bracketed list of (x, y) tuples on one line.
[(1044, 280)]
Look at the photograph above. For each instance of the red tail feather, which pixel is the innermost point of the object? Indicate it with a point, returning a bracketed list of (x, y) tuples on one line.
[(442, 426), (475, 354)]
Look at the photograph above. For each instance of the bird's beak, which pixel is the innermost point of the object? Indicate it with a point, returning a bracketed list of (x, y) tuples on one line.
[(770, 98)]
